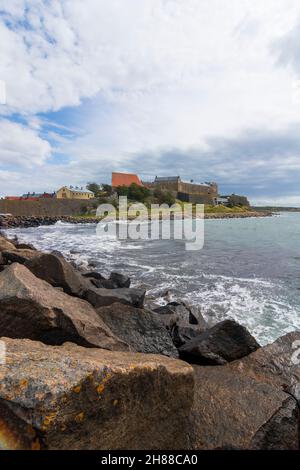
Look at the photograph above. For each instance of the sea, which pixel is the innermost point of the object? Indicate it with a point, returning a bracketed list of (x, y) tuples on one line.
[(248, 269)]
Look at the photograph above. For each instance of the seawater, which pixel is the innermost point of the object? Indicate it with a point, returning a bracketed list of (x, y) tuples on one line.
[(248, 270)]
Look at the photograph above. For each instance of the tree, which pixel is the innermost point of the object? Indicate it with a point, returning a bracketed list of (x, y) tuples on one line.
[(107, 188), (95, 188), (164, 197), (134, 192)]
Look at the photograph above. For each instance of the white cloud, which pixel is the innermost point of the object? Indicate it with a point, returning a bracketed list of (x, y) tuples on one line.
[(161, 74), (20, 145)]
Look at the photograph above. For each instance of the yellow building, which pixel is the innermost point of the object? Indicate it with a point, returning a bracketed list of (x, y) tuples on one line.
[(74, 193)]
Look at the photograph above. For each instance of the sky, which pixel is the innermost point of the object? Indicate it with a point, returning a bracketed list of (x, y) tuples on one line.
[(205, 89)]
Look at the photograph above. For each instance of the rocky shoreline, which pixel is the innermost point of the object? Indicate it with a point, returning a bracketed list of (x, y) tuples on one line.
[(7, 222), (87, 363)]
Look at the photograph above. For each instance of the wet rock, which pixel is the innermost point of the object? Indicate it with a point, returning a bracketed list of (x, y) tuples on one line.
[(19, 256), (120, 280), (55, 270), (93, 275), (25, 246), (234, 410), (186, 314), (115, 280), (104, 297), (184, 322), (32, 308), (73, 398), (224, 342), (139, 328)]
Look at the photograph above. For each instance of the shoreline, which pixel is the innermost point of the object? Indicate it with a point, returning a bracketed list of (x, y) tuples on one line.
[(8, 222)]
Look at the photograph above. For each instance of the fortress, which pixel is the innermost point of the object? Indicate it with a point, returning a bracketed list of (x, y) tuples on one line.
[(203, 193)]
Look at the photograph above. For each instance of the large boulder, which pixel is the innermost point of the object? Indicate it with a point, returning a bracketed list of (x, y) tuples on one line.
[(58, 272), (6, 244), (104, 297), (184, 314), (32, 308), (120, 280), (73, 398), (277, 364), (141, 329), (115, 280), (184, 322), (235, 411), (19, 256), (224, 342)]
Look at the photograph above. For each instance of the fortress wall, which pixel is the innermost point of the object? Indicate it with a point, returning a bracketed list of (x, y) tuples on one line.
[(45, 207)]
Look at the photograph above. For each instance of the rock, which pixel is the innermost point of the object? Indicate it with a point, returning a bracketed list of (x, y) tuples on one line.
[(25, 246), (93, 275), (32, 308), (234, 410), (72, 398), (104, 297), (19, 256), (277, 364), (224, 342), (5, 244), (55, 270), (182, 334), (115, 280), (186, 314), (139, 328), (120, 280), (183, 322)]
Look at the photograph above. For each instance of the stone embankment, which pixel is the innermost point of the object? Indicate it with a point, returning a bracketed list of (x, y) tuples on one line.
[(36, 221), (85, 364)]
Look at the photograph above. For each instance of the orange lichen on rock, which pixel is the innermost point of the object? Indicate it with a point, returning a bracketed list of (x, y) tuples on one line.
[(80, 417)]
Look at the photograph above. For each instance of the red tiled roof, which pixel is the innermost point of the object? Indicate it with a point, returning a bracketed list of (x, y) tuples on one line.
[(125, 179)]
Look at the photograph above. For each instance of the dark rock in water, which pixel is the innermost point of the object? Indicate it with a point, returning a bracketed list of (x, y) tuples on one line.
[(69, 397), (234, 410), (32, 308), (104, 297), (115, 280), (25, 246), (93, 275), (58, 272), (139, 328), (19, 256), (120, 280), (186, 314), (103, 283), (93, 264), (224, 342), (184, 322)]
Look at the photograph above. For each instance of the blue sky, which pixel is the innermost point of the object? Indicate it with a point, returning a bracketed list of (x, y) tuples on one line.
[(206, 89)]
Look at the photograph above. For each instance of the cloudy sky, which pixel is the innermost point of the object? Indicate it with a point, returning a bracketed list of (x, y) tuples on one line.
[(207, 89)]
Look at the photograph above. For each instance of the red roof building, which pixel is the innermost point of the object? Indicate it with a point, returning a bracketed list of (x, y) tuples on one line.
[(125, 179)]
